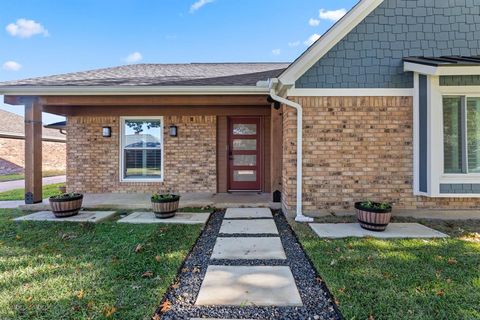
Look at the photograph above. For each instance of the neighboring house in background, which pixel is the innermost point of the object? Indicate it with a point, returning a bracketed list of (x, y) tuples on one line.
[(390, 102), (12, 145)]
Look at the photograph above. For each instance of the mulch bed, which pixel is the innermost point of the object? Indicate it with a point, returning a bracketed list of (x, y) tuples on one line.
[(179, 301)]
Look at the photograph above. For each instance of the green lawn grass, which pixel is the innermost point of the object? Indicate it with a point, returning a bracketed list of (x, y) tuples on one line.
[(21, 176), (56, 270), (401, 279), (19, 194)]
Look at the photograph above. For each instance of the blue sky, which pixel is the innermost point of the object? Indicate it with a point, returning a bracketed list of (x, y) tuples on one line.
[(44, 37)]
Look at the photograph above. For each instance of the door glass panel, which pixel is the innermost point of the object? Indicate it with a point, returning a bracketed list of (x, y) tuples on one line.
[(244, 129), (244, 144), (473, 135), (452, 143), (244, 160), (245, 175)]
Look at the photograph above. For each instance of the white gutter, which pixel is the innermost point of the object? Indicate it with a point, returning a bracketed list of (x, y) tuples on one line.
[(132, 90), (299, 215)]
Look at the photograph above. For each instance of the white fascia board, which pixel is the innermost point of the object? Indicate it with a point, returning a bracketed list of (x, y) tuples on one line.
[(351, 92), (328, 40), (441, 70), (132, 90)]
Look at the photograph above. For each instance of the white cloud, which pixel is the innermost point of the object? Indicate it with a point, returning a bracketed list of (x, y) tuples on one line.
[(332, 15), (314, 37), (198, 4), (294, 44), (11, 66), (313, 22), (134, 57), (24, 28), (276, 51)]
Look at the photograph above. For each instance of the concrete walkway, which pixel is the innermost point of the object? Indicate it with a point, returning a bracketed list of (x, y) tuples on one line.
[(248, 234), (20, 184)]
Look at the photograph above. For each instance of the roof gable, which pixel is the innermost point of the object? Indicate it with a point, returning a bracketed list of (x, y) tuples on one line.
[(328, 40)]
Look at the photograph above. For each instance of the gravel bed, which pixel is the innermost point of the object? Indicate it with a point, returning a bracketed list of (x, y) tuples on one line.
[(317, 300)]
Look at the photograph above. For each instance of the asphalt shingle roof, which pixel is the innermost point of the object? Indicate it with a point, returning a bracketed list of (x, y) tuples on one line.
[(14, 124), (194, 74)]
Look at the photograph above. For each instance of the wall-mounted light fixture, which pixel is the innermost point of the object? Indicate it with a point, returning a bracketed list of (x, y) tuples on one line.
[(107, 132), (173, 130)]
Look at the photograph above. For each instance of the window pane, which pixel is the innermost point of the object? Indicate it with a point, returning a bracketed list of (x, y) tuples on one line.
[(142, 133), (245, 144), (244, 175), (452, 144), (473, 134), (244, 128), (143, 163), (244, 160)]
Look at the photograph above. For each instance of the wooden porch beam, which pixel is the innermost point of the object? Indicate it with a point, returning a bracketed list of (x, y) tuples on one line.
[(33, 151), (179, 100)]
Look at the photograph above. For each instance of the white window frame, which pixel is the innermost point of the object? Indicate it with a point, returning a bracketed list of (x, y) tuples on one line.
[(435, 155), (463, 175), (122, 145)]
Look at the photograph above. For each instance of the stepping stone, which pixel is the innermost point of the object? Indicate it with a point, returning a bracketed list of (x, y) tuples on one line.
[(248, 213), (249, 227), (179, 218), (394, 230), (248, 248), (82, 216), (249, 285)]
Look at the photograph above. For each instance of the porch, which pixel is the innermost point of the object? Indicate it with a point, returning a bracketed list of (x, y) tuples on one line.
[(138, 201)]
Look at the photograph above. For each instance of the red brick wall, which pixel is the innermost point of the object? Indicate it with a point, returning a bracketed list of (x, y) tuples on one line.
[(93, 161), (12, 155), (355, 148)]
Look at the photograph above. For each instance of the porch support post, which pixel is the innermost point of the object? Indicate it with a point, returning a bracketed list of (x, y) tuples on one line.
[(33, 151)]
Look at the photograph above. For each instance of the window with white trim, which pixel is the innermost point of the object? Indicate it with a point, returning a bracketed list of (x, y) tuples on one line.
[(142, 149), (461, 134)]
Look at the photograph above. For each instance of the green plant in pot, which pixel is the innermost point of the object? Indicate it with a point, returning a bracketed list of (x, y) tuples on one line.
[(373, 216), (66, 204), (165, 205)]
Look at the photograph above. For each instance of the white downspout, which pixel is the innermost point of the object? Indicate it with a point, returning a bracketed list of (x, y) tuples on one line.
[(299, 215)]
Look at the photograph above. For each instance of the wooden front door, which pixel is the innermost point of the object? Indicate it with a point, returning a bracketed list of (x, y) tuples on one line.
[(245, 153)]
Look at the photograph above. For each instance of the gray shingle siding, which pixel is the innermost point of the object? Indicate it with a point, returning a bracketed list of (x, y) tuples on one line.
[(370, 56), (471, 80)]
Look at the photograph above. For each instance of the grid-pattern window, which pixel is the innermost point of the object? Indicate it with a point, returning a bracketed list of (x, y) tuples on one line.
[(142, 144)]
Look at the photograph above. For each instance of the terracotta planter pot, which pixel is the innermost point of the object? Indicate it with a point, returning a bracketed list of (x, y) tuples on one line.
[(373, 219), (63, 208), (164, 209)]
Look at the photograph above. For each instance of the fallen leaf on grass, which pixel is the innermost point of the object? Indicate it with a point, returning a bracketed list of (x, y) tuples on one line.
[(158, 258), (109, 311), (452, 261), (29, 298), (440, 293), (17, 237), (90, 305), (138, 248), (147, 274), (371, 317), (80, 294), (165, 306)]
